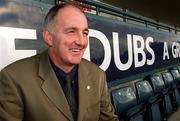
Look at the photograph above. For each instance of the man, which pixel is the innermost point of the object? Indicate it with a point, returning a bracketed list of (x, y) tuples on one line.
[(34, 89)]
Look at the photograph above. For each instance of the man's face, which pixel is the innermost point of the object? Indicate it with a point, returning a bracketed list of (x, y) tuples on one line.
[(69, 37)]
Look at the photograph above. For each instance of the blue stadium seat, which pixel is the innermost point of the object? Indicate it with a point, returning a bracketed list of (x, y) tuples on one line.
[(157, 83), (176, 76), (146, 95), (168, 79), (178, 68), (158, 88), (126, 107), (170, 100)]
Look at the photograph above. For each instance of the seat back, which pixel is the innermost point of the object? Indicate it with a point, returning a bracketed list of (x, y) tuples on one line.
[(144, 90), (168, 79), (176, 75), (178, 68), (158, 87), (123, 99), (169, 98), (146, 95), (157, 83)]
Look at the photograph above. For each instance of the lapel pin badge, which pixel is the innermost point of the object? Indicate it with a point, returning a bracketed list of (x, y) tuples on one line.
[(88, 87)]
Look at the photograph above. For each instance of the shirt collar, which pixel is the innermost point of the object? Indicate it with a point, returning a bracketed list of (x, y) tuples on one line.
[(61, 73)]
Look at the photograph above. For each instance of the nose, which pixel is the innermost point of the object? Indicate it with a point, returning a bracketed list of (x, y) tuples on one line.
[(81, 39)]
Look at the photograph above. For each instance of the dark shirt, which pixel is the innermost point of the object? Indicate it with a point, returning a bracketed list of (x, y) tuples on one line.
[(61, 75)]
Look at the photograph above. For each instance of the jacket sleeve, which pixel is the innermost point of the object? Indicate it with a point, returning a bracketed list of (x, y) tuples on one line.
[(11, 106), (106, 108)]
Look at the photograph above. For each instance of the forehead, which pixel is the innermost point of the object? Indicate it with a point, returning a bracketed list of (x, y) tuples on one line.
[(71, 14)]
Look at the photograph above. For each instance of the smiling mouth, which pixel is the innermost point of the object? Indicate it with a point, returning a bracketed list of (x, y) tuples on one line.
[(75, 49)]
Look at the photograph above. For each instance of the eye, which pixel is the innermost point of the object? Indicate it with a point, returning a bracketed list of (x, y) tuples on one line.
[(71, 31), (86, 33)]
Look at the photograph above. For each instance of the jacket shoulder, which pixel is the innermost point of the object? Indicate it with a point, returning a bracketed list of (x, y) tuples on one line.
[(91, 65), (23, 65)]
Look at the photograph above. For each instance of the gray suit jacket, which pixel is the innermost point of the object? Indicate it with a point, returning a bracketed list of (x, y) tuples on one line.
[(30, 91)]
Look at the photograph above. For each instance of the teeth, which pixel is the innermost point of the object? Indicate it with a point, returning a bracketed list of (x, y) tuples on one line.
[(75, 50)]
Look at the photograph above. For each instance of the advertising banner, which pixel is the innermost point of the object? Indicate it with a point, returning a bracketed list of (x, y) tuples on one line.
[(123, 49)]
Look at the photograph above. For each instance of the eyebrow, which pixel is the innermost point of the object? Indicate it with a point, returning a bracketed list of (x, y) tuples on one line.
[(75, 28)]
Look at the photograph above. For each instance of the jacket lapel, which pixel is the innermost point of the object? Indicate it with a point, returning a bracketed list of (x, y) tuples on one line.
[(83, 91), (51, 86)]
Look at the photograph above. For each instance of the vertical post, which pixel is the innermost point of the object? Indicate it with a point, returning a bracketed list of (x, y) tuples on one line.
[(124, 16), (56, 2), (97, 10)]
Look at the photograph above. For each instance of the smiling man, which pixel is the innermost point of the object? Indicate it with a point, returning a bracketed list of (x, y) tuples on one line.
[(57, 85)]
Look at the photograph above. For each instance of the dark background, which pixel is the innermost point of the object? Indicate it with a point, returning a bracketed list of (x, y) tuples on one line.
[(165, 11)]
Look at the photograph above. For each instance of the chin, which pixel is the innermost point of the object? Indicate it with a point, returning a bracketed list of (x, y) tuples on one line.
[(76, 61)]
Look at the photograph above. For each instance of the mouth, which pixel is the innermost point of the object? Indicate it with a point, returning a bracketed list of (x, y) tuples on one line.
[(76, 50)]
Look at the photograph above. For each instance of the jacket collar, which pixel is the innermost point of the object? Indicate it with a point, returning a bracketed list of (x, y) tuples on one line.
[(83, 77), (54, 92), (51, 86)]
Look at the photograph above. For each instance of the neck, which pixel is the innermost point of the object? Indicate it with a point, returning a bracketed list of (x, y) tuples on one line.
[(65, 67)]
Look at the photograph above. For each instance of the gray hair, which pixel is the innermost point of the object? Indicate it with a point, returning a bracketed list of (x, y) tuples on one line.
[(51, 15)]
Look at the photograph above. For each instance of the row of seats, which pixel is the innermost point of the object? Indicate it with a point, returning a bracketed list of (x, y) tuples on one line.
[(153, 98)]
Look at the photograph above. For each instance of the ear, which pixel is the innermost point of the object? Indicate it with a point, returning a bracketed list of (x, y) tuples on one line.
[(47, 37)]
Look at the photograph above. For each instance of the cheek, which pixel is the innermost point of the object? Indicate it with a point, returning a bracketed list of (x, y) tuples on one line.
[(86, 43), (63, 47), (59, 42)]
